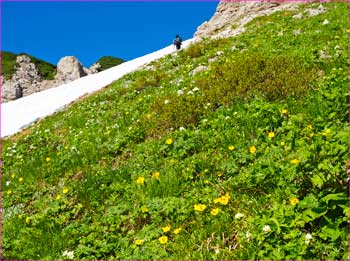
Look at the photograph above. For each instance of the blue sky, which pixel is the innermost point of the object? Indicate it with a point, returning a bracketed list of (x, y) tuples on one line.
[(90, 30)]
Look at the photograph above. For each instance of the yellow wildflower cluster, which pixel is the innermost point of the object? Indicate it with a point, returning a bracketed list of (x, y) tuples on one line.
[(177, 230), (138, 242), (326, 132), (252, 149), (214, 211), (144, 209), (200, 207), (163, 239), (295, 161), (284, 111), (231, 147), (223, 199), (166, 228), (271, 134), (155, 175), (140, 180), (293, 201), (169, 141)]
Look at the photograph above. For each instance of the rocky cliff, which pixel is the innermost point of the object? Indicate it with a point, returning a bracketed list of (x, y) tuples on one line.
[(27, 78), (231, 16)]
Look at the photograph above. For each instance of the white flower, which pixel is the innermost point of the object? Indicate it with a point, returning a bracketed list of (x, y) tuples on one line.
[(195, 89), (239, 215), (247, 235), (308, 238), (166, 101), (180, 92), (325, 22), (181, 129), (190, 93), (266, 228), (8, 183), (68, 254)]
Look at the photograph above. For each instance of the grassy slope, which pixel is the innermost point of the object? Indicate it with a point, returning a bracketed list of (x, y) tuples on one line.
[(76, 178), (46, 69)]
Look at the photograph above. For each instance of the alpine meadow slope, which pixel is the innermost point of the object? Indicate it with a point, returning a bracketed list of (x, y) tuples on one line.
[(234, 148)]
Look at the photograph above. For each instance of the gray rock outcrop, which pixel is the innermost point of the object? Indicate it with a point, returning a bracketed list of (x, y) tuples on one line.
[(27, 79), (231, 17), (69, 69)]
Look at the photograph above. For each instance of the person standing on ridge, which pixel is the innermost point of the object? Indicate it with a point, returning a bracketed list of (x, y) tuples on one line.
[(177, 42)]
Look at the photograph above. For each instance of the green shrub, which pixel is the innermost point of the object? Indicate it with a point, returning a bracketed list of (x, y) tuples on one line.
[(107, 62), (8, 61)]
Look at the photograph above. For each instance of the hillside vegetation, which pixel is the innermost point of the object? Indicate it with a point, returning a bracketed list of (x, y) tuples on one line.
[(244, 160), (107, 62), (46, 70)]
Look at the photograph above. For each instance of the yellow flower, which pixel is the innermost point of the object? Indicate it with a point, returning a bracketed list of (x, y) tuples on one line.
[(348, 30), (20, 179), (163, 239), (27, 220), (9, 192), (169, 141), (58, 197), (293, 201), (220, 174), (271, 134), (48, 159), (166, 229), (144, 209), (65, 190), (326, 132), (206, 181), (200, 207), (223, 199), (156, 175), (138, 242), (140, 180), (336, 37), (282, 143), (148, 116), (309, 127), (13, 175), (231, 147), (252, 149), (177, 230), (295, 161), (214, 211), (284, 111)]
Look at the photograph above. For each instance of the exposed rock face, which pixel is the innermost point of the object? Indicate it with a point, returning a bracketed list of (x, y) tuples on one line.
[(69, 69), (93, 68), (27, 79), (230, 17)]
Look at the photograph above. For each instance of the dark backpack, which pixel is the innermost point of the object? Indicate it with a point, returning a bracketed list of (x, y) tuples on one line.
[(178, 41)]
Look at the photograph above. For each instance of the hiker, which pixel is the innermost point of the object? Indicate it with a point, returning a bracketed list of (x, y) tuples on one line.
[(177, 42)]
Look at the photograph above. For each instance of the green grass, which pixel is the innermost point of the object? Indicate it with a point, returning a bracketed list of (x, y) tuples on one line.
[(262, 133)]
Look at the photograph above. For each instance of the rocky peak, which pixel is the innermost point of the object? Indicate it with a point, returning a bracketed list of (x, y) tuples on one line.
[(231, 16)]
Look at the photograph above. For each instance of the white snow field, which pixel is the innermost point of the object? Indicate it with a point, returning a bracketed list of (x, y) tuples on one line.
[(20, 113)]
